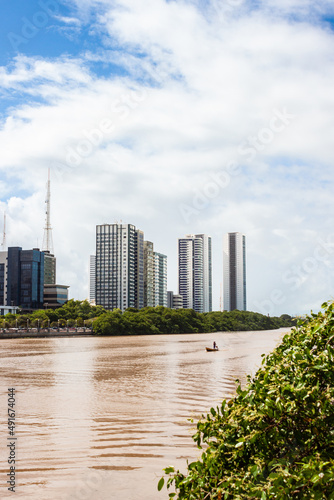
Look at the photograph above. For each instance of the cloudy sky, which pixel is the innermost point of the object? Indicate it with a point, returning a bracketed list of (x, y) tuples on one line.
[(198, 116)]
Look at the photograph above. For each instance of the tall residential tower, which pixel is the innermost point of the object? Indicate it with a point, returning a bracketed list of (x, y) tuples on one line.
[(234, 274), (160, 279), (119, 266), (149, 275), (195, 272), (92, 279)]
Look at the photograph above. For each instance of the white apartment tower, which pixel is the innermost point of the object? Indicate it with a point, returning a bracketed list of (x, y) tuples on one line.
[(149, 275), (119, 266), (207, 272), (155, 277), (234, 271), (92, 278), (160, 278), (195, 272)]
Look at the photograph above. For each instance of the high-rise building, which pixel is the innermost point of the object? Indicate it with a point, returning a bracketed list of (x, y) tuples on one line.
[(195, 272), (149, 275), (119, 266), (185, 271), (234, 271), (139, 285), (207, 272), (3, 278), (160, 279), (92, 278), (49, 268), (25, 278)]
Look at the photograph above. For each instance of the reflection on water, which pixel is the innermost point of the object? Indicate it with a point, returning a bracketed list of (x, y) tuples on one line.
[(98, 418)]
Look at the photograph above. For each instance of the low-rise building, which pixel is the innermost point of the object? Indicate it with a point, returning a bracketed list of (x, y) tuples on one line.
[(55, 296)]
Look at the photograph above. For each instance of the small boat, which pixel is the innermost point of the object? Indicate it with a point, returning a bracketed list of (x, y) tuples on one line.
[(210, 349)]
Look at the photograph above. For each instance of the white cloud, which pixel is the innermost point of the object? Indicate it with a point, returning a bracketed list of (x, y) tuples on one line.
[(122, 148), (36, 72), (68, 20)]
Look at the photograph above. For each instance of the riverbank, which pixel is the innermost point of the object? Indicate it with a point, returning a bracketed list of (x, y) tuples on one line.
[(145, 321), (88, 333), (44, 334)]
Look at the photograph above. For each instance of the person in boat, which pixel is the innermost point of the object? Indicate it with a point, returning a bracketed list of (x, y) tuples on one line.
[(215, 345)]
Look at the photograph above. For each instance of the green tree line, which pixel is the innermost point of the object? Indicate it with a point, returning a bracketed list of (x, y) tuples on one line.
[(153, 320), (71, 313), (149, 320)]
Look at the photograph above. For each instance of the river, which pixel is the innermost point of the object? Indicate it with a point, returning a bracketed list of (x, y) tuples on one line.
[(98, 418)]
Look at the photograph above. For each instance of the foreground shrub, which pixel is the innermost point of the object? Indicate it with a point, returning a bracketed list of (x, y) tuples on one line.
[(275, 439)]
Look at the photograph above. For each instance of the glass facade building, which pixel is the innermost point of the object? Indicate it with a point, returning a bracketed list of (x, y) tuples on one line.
[(2, 283), (3, 278), (25, 278)]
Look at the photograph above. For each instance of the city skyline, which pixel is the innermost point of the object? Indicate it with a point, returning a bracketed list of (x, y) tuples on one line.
[(224, 126), (265, 307), (128, 272), (187, 151)]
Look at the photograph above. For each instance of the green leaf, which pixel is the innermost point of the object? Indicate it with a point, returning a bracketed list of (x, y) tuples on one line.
[(169, 470), (161, 484)]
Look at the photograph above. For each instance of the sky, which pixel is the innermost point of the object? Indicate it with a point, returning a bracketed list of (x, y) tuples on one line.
[(180, 117)]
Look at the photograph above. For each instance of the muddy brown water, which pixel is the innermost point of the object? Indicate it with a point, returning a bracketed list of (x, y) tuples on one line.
[(98, 418)]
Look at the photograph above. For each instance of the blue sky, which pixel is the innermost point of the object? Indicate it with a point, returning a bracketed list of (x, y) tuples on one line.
[(28, 28), (141, 109)]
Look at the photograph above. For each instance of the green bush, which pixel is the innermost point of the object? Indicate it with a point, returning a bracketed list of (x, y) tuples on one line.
[(153, 320), (148, 320), (275, 439)]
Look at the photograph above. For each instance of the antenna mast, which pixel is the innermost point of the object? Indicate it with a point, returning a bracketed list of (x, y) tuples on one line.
[(4, 245), (47, 239)]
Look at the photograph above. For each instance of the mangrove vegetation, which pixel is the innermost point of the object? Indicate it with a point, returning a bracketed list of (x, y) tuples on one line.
[(149, 320)]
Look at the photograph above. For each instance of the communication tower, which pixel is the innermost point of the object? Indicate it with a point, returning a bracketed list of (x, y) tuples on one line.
[(47, 239)]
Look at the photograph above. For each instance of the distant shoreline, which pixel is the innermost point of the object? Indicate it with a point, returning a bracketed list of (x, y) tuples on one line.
[(44, 333), (82, 333)]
